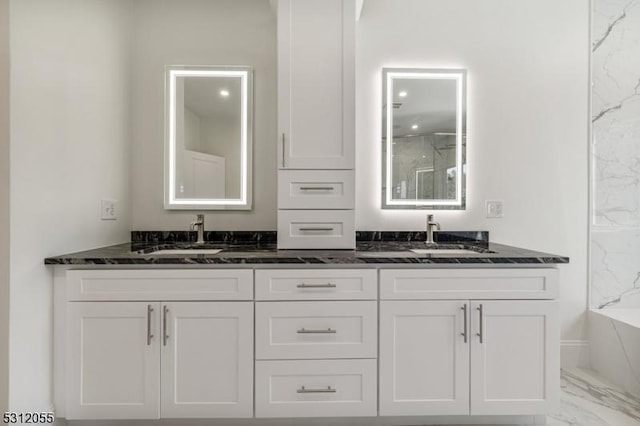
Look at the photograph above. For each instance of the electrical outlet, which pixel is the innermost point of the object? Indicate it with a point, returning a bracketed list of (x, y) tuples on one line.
[(108, 210), (494, 209)]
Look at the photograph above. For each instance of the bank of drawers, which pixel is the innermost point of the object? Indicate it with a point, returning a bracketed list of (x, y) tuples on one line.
[(316, 343)]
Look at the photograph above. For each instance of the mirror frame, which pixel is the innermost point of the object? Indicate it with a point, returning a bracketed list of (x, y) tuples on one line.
[(245, 73), (460, 77)]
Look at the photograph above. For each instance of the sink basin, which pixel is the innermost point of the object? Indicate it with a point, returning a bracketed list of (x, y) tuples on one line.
[(444, 251), (185, 251)]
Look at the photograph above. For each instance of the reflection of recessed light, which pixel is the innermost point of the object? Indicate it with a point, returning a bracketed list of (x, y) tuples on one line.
[(415, 126), (224, 93), (402, 94)]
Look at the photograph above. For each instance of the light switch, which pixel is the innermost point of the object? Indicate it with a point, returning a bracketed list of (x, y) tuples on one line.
[(494, 209), (108, 210)]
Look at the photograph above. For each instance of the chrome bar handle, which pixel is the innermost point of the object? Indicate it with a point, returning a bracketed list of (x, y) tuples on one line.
[(284, 151), (464, 333), (317, 188), (481, 325), (329, 389), (165, 334), (317, 229), (327, 331), (149, 335), (328, 285)]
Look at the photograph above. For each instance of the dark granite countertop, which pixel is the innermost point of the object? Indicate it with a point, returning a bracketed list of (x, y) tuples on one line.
[(372, 249)]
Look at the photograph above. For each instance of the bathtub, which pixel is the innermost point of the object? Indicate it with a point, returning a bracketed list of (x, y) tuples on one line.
[(614, 346)]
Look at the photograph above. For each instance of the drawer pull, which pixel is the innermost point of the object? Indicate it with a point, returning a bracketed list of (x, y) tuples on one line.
[(325, 229), (327, 331), (149, 334), (317, 188), (329, 389), (481, 324), (328, 285), (165, 334), (464, 333)]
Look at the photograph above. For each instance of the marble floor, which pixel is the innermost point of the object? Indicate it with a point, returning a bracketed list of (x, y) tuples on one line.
[(589, 400)]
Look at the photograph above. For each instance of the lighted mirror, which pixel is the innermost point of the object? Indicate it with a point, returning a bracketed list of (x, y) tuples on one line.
[(423, 139), (208, 138)]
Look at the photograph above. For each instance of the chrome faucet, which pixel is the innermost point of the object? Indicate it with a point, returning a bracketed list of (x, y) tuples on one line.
[(430, 225), (198, 225)]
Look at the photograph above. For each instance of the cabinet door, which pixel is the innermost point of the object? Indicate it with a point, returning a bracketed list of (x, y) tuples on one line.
[(515, 361), (316, 84), (207, 359), (424, 359), (113, 360)]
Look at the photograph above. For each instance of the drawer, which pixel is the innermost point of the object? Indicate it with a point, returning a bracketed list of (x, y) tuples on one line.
[(316, 284), (512, 283), (318, 388), (316, 189), (160, 284), (316, 229), (314, 330)]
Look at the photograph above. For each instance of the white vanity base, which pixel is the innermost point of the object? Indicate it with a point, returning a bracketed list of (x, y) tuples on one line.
[(490, 356)]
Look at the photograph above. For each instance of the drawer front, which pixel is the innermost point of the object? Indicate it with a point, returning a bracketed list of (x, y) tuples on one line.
[(316, 189), (316, 284), (318, 388), (160, 284), (316, 229), (315, 330), (512, 283)]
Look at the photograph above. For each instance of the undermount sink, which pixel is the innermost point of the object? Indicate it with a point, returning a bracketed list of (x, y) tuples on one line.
[(444, 251), (185, 251)]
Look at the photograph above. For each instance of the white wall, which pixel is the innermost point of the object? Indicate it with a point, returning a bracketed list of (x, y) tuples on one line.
[(4, 205), (69, 147), (527, 65), (201, 32)]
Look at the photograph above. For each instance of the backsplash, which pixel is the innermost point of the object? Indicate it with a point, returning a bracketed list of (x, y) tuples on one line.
[(227, 237), (270, 237)]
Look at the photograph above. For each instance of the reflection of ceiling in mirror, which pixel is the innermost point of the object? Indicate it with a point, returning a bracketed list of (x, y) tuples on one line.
[(423, 106), (202, 95)]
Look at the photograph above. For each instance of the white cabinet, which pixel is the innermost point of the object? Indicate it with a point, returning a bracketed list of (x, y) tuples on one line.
[(316, 330), (207, 360), (152, 343), (113, 360), (316, 84), (316, 229), (316, 342), (154, 359), (316, 124), (515, 366), (316, 388), (478, 357), (424, 359)]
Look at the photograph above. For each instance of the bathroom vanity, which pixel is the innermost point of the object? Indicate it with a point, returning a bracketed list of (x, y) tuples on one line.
[(253, 332)]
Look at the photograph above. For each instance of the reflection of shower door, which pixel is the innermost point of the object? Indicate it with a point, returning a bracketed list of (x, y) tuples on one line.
[(204, 175), (424, 184)]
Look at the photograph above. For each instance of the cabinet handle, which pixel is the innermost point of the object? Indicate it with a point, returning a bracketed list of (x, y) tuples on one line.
[(464, 333), (149, 335), (327, 331), (317, 229), (317, 188), (329, 389), (481, 325), (165, 334), (328, 285), (284, 151)]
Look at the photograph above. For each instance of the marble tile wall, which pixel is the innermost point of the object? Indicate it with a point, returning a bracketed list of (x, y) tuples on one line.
[(615, 241)]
